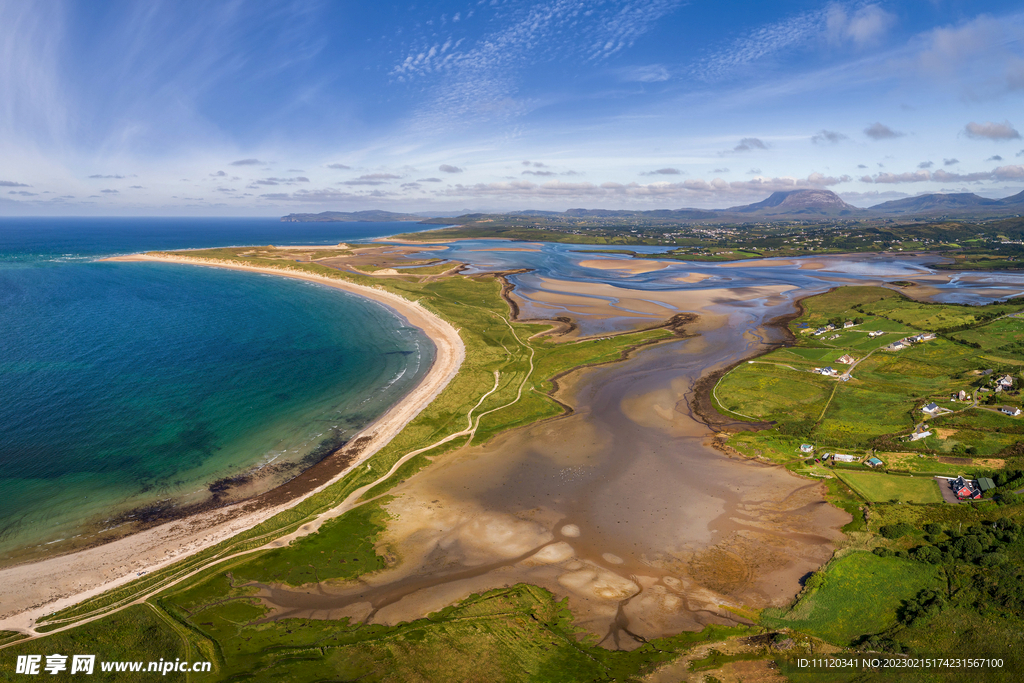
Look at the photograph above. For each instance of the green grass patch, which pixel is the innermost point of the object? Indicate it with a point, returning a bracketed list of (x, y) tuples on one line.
[(138, 633), (859, 595), (879, 487)]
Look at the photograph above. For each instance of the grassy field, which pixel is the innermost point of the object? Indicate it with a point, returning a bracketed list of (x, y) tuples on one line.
[(859, 595), (140, 633), (877, 487), (881, 402)]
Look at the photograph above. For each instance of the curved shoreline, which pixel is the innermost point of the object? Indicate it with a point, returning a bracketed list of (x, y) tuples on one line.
[(34, 589)]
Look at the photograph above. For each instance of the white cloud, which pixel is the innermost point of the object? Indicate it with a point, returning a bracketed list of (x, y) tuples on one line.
[(880, 131), (1012, 172), (687, 190), (863, 26), (980, 58), (827, 136), (748, 144), (991, 131)]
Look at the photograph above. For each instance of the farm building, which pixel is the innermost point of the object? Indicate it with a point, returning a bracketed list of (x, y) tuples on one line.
[(842, 457), (876, 333), (874, 462), (931, 409), (806, 448), (965, 489), (920, 435), (847, 359), (985, 484)]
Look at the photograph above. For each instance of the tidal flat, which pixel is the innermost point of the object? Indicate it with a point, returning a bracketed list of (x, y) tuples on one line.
[(623, 505)]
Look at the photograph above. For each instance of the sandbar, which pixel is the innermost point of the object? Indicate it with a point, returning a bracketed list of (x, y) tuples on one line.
[(632, 266), (33, 590)]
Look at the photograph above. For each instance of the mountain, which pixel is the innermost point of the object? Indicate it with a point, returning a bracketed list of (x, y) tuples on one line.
[(799, 203), (1014, 200), (937, 203), (350, 217)]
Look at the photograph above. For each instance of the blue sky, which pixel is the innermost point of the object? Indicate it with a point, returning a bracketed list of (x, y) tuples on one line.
[(266, 108)]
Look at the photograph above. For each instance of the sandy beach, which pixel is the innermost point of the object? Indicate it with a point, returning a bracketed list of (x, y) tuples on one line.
[(35, 589)]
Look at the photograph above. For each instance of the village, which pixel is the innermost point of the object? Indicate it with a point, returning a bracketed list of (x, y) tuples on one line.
[(897, 407)]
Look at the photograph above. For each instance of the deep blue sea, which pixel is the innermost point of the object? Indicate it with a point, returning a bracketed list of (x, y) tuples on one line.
[(128, 384)]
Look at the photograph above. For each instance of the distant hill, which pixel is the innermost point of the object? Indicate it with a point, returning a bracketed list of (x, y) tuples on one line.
[(802, 204), (1014, 200), (350, 217), (936, 203), (799, 203)]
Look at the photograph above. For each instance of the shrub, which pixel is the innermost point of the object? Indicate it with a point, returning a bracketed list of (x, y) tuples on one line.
[(898, 530)]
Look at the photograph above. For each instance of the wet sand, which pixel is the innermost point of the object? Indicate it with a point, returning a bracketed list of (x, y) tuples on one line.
[(622, 506), (632, 266), (34, 589), (600, 307)]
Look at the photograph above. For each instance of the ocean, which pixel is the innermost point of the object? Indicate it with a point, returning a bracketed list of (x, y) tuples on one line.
[(128, 386)]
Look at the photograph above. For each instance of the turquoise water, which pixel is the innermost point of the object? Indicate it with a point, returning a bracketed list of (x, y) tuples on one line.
[(131, 384)]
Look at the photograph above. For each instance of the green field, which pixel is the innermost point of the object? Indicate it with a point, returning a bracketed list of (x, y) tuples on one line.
[(859, 595), (881, 402), (878, 487)]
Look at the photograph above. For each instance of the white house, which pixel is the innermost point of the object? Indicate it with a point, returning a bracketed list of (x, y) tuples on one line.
[(931, 409), (847, 359), (1012, 411)]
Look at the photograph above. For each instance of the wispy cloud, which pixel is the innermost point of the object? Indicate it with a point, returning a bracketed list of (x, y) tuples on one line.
[(748, 144), (663, 171), (11, 183), (827, 136), (861, 26), (248, 162), (979, 57), (448, 168), (373, 179), (479, 78), (1002, 173), (688, 190)]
